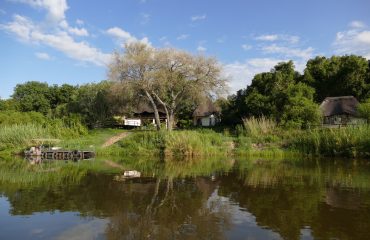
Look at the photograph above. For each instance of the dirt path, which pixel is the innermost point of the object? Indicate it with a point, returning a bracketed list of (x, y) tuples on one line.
[(115, 139)]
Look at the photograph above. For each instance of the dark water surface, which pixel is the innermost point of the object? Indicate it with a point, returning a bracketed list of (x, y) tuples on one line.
[(225, 199)]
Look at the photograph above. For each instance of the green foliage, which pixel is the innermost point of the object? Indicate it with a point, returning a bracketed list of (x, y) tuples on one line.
[(9, 105), (292, 99), (278, 94), (13, 117), (33, 96), (345, 142), (364, 110), (177, 143), (93, 103), (349, 75), (300, 111), (18, 136)]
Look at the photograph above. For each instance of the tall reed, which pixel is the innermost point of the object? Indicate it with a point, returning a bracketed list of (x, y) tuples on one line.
[(345, 141), (256, 127), (177, 143)]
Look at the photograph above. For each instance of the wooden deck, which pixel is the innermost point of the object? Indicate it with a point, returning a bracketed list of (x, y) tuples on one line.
[(61, 154)]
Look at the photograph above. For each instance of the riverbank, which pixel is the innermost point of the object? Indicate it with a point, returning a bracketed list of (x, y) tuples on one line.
[(263, 139)]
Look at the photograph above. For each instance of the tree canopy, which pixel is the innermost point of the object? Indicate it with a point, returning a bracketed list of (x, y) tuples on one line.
[(166, 78)]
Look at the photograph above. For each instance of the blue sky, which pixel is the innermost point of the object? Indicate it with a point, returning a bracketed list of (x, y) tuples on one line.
[(65, 41)]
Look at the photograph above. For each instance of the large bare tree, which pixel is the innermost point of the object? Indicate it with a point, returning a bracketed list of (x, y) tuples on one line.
[(182, 77), (135, 69), (166, 77)]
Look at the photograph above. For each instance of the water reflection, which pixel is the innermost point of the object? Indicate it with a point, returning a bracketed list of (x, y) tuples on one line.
[(204, 199)]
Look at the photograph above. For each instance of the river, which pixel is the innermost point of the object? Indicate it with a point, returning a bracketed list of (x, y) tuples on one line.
[(200, 199)]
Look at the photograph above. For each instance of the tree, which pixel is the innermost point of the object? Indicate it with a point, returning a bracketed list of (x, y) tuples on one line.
[(62, 94), (338, 76), (8, 104), (135, 69), (280, 94), (181, 78), (33, 96), (300, 110), (166, 77), (93, 102)]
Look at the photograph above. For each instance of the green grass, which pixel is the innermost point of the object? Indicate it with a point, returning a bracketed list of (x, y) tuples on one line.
[(23, 135), (93, 140), (185, 144), (344, 142)]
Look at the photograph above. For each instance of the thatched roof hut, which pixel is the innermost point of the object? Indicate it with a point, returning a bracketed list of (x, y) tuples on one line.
[(206, 108), (344, 105), (340, 111), (146, 108), (206, 114)]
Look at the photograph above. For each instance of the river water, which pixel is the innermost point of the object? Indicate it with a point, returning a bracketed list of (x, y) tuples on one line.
[(215, 199)]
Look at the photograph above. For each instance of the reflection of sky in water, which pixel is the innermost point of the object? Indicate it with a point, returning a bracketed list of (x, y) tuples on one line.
[(244, 224), (49, 225)]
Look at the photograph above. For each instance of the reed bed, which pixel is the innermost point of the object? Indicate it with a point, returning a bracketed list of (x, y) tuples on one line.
[(21, 135), (177, 143), (345, 142)]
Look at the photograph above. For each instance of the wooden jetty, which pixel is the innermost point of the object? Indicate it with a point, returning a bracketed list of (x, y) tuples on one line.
[(59, 154)]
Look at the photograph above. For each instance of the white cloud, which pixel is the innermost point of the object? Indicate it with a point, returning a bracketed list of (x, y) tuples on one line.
[(198, 17), (241, 74), (246, 47), (124, 36), (27, 31), (357, 24), (183, 37), (80, 22), (82, 32), (201, 49), (56, 8), (353, 41), (289, 52), (278, 37), (93, 229), (271, 38), (78, 31), (43, 56)]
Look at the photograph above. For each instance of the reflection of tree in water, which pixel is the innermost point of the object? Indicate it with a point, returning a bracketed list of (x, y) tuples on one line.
[(177, 209), (287, 196), (137, 208), (332, 198)]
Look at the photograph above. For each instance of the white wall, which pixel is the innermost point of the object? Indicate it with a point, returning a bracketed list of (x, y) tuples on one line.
[(208, 121), (133, 122)]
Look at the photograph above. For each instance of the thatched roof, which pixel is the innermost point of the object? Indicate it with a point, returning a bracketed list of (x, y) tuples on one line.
[(345, 105), (206, 108), (147, 108)]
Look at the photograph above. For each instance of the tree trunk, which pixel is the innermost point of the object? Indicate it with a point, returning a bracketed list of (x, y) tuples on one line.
[(171, 120), (156, 114), (168, 116)]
